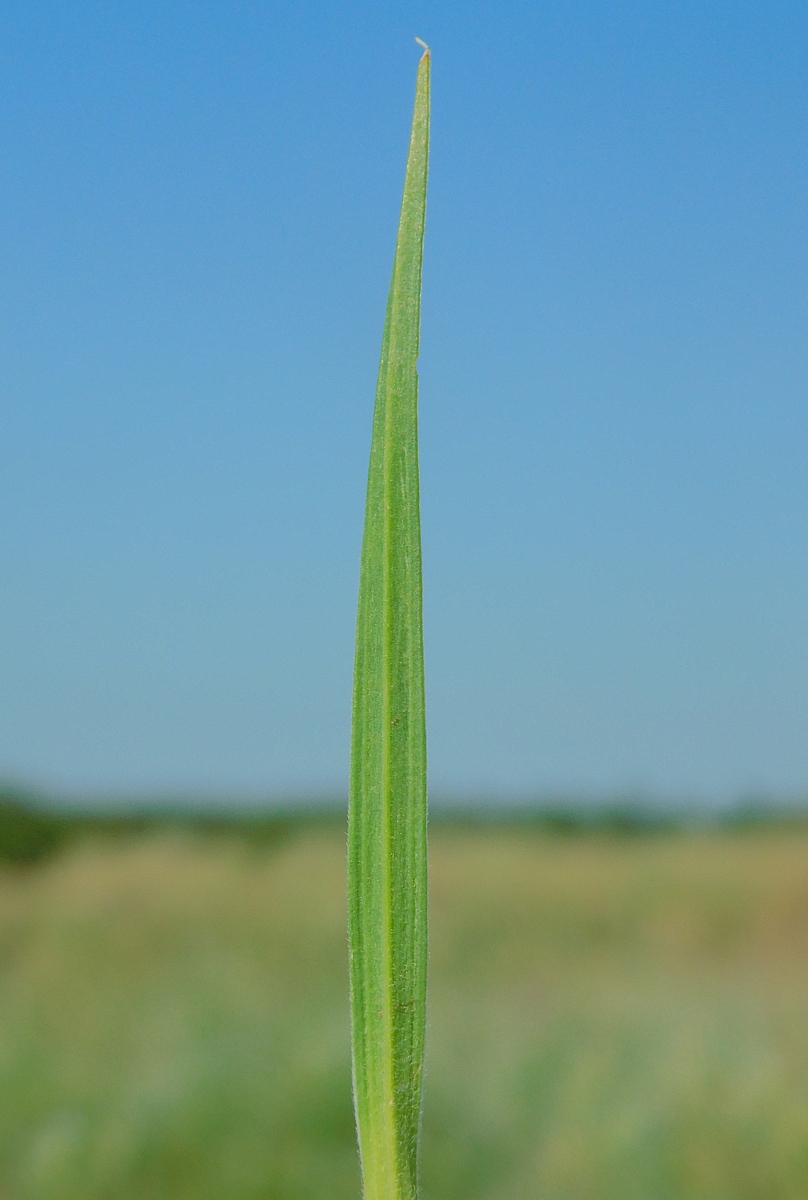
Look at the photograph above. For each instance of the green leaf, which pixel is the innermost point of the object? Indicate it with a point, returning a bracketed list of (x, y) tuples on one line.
[(387, 867)]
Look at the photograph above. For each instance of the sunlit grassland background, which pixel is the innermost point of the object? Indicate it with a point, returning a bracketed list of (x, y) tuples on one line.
[(610, 1016)]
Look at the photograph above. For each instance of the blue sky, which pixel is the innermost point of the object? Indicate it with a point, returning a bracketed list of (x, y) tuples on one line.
[(197, 215)]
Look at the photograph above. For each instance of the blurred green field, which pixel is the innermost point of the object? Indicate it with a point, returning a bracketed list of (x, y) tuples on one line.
[(609, 1018)]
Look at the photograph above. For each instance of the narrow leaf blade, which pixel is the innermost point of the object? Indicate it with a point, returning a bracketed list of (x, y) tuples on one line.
[(387, 867)]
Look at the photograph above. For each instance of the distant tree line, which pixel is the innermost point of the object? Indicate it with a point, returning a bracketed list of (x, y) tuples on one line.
[(32, 829)]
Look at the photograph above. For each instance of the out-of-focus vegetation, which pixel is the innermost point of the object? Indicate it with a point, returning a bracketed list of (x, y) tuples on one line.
[(32, 829), (610, 1016)]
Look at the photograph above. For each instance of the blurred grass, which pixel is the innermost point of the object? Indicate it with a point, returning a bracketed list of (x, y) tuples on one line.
[(609, 1017)]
